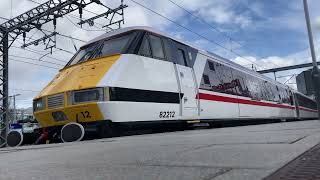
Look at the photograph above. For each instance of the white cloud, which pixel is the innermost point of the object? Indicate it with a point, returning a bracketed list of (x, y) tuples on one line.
[(243, 21), (221, 12)]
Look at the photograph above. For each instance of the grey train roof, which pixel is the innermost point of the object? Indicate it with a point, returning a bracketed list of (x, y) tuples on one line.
[(204, 52)]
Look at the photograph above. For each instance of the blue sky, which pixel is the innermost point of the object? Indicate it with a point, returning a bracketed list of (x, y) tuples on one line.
[(268, 33), (275, 28)]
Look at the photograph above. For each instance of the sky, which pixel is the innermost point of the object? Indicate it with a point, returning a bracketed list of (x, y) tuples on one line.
[(257, 34)]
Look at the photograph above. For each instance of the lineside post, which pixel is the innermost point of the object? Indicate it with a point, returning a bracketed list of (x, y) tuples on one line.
[(4, 67), (315, 70)]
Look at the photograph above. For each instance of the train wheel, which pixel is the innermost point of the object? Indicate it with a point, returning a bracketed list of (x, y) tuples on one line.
[(14, 138), (72, 132)]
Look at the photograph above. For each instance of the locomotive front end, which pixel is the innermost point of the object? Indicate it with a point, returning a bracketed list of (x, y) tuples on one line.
[(70, 105), (73, 96)]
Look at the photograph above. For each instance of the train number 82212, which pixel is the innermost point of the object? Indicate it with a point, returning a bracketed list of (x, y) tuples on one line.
[(167, 114)]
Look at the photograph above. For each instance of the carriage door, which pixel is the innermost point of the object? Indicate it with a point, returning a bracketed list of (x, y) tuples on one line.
[(186, 79), (296, 104)]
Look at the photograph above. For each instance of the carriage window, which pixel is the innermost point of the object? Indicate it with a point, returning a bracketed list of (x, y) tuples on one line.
[(211, 66), (306, 102), (275, 92), (168, 49), (265, 93), (291, 99), (156, 46), (181, 58), (111, 46), (240, 80), (254, 87), (206, 79), (220, 80), (83, 54), (192, 56), (145, 47)]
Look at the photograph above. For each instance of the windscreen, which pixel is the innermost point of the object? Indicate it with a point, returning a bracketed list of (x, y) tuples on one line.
[(111, 46)]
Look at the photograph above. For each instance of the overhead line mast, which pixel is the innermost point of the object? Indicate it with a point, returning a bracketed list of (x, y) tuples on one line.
[(47, 12), (315, 70)]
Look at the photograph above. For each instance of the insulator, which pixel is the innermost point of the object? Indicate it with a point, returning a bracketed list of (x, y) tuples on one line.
[(91, 23), (55, 23), (24, 37), (80, 11)]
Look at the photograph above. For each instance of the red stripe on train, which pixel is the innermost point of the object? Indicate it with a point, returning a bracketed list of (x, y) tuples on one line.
[(212, 97), (307, 109)]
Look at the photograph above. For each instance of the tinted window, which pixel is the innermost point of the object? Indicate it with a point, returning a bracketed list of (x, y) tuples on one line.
[(284, 94), (156, 46), (181, 58), (241, 83), (268, 91), (111, 46), (192, 56), (211, 65), (206, 79), (145, 47), (168, 49), (275, 92), (291, 98), (306, 102), (221, 80), (83, 54), (254, 87)]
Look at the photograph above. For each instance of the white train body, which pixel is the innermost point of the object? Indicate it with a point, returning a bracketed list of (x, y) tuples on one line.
[(158, 78)]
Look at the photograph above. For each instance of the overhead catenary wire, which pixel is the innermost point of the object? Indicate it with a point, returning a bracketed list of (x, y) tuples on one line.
[(190, 30), (34, 59), (57, 48), (34, 51), (38, 60), (84, 28), (26, 62), (59, 34), (217, 44), (66, 36), (3, 18), (189, 12), (83, 9), (205, 22), (18, 89), (215, 29), (70, 15)]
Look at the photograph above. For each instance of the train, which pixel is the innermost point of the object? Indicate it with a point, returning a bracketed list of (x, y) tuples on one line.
[(140, 76)]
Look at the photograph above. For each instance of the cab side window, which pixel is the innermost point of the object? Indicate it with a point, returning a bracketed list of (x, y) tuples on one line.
[(181, 57), (156, 47), (145, 47)]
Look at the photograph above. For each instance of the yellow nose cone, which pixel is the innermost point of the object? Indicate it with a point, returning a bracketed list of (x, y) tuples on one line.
[(79, 76)]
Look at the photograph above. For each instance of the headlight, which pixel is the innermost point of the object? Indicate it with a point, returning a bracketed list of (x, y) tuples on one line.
[(59, 116), (87, 95), (38, 104)]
